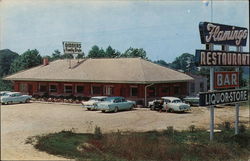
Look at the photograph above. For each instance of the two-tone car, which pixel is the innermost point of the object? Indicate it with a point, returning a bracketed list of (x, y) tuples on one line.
[(115, 104), (14, 97), (91, 104), (171, 104)]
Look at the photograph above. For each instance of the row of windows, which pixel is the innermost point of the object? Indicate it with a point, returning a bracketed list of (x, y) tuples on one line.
[(98, 90)]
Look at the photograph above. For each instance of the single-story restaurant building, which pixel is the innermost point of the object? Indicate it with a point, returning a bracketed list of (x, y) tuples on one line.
[(133, 78)]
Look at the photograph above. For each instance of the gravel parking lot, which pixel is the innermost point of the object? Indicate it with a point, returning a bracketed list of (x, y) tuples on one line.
[(23, 120)]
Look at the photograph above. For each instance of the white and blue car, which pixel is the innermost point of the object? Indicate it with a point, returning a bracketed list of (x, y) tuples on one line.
[(91, 104), (14, 97), (171, 104), (115, 104)]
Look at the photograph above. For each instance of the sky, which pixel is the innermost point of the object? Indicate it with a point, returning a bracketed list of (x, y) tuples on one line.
[(164, 29)]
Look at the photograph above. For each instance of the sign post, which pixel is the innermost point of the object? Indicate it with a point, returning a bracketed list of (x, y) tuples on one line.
[(211, 47), (217, 34)]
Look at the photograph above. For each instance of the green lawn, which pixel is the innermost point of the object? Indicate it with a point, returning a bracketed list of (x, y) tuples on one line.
[(190, 145)]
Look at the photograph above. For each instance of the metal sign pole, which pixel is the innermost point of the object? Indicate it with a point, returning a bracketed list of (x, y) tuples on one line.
[(237, 105), (211, 47)]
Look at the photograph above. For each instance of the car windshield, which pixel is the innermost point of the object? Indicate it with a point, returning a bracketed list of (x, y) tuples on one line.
[(97, 99), (4, 94), (176, 101)]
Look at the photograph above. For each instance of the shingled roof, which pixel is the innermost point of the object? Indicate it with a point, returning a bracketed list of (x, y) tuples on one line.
[(104, 70)]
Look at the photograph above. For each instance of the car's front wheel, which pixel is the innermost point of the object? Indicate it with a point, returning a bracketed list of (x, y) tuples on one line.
[(151, 107), (103, 111)]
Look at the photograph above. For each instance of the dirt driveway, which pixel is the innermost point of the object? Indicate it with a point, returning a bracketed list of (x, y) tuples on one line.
[(23, 120)]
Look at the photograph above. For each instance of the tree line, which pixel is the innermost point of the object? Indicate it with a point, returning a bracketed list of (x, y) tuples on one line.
[(11, 62)]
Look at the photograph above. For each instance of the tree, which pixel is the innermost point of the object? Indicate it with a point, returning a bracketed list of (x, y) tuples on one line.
[(6, 58), (56, 55), (184, 62), (96, 52), (28, 59), (135, 52), (111, 53), (162, 63)]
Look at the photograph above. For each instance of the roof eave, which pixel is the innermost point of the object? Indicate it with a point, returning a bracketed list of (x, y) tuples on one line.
[(96, 81)]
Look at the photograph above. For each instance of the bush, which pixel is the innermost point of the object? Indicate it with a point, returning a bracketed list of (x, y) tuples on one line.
[(191, 128), (242, 128), (227, 126), (97, 133)]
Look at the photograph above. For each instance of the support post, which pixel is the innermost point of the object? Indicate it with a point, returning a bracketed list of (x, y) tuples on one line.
[(237, 105), (145, 94), (211, 108)]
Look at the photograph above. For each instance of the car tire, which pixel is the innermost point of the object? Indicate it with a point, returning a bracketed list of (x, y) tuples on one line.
[(27, 100), (151, 107), (116, 109), (131, 108), (103, 111), (88, 109)]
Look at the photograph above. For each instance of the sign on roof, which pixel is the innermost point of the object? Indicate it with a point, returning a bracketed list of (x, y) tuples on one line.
[(222, 97), (72, 47), (213, 33), (226, 79), (221, 58)]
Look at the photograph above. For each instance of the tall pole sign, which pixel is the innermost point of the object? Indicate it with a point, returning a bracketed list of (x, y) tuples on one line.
[(218, 34)]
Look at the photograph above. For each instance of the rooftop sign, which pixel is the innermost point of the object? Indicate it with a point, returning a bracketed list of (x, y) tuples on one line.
[(72, 47), (221, 58), (213, 33)]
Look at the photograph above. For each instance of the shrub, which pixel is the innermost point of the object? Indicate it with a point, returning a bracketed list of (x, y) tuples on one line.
[(226, 126), (97, 133), (242, 128), (191, 128)]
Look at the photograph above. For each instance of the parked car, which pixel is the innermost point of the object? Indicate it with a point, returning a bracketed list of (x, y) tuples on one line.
[(14, 97), (192, 100), (115, 104), (91, 104), (171, 104)]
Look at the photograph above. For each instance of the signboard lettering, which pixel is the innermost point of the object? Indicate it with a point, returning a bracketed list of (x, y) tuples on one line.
[(222, 34), (226, 79), (221, 58), (72, 47), (223, 97)]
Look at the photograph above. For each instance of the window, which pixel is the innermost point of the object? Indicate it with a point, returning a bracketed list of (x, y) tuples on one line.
[(79, 89), (202, 87), (134, 91), (192, 87), (96, 90), (23, 87), (42, 88), (167, 100), (68, 89), (109, 90), (151, 91), (53, 88), (176, 90), (165, 89)]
